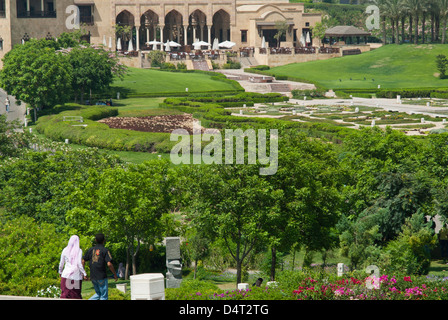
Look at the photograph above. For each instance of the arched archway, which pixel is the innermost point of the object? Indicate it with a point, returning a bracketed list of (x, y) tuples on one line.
[(124, 28), (125, 18), (173, 26), (221, 25), (149, 22), (197, 24)]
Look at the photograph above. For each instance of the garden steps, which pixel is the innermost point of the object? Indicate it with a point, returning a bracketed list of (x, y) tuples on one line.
[(201, 65), (280, 87)]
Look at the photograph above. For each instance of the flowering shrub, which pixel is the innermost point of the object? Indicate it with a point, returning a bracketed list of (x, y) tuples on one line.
[(50, 292), (329, 288)]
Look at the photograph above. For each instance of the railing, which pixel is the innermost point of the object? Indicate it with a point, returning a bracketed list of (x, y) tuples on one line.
[(280, 50), (88, 20), (305, 50), (36, 14), (329, 50), (247, 52), (178, 56)]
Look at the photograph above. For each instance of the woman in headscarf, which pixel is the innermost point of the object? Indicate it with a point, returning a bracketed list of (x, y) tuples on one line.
[(71, 270)]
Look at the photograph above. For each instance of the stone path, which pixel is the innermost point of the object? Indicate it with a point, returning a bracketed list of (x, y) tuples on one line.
[(280, 86), (15, 111)]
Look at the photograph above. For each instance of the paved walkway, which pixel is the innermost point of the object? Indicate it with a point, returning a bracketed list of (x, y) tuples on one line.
[(242, 77), (15, 111), (386, 104)]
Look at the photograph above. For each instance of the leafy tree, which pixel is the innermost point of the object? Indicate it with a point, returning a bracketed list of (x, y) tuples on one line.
[(309, 180), (93, 68), (38, 184), (443, 7), (10, 140), (281, 27), (232, 203), (29, 249), (127, 204), (410, 253), (442, 65), (35, 74)]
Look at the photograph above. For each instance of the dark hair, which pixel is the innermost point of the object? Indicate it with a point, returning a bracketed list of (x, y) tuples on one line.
[(99, 238)]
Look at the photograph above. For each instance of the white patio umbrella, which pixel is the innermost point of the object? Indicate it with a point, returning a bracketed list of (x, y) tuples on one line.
[(119, 44), (172, 44), (104, 41), (167, 46), (227, 44), (110, 42), (154, 44), (131, 47), (302, 40), (215, 44), (308, 38), (198, 44), (263, 43)]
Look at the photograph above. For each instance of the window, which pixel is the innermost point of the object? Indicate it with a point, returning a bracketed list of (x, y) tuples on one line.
[(34, 9), (307, 24), (86, 14), (243, 35), (2, 9)]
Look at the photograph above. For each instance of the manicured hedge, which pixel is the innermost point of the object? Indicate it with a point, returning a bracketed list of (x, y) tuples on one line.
[(393, 93), (211, 113)]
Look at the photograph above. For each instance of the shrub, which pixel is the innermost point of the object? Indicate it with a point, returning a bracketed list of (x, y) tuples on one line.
[(181, 66), (260, 67), (231, 65), (167, 65)]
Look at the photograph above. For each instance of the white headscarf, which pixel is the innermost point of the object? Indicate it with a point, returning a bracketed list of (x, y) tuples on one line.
[(72, 252)]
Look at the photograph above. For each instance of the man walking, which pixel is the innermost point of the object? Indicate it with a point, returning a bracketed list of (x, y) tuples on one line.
[(99, 258), (7, 104)]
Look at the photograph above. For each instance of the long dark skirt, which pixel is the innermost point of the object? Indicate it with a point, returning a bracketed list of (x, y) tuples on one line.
[(71, 289)]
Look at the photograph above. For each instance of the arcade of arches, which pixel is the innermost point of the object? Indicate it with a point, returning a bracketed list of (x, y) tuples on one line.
[(183, 30)]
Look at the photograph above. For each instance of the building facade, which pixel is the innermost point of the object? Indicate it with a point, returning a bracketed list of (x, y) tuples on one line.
[(244, 22)]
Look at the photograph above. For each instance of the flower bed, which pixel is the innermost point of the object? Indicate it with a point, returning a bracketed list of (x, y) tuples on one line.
[(328, 288)]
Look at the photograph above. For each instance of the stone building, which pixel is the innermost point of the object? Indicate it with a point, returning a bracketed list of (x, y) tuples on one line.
[(244, 22)]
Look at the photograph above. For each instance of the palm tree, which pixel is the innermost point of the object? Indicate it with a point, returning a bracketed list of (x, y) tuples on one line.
[(434, 12), (395, 11), (382, 5), (414, 8), (425, 7), (443, 7)]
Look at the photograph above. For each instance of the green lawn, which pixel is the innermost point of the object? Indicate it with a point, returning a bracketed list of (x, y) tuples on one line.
[(391, 66), (152, 81)]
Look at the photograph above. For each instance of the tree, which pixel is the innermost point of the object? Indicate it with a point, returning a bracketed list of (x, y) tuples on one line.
[(39, 183), (395, 8), (414, 8), (442, 65), (443, 7), (10, 140), (35, 74), (93, 68), (232, 203), (281, 27), (29, 250), (128, 204), (309, 182)]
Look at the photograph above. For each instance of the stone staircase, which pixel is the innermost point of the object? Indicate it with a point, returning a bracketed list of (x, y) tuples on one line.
[(201, 65), (280, 87), (246, 62)]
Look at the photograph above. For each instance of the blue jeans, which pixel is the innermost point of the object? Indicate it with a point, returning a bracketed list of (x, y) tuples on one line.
[(101, 290)]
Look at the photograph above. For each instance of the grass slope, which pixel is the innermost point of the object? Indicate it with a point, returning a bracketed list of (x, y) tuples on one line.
[(140, 82), (391, 66)]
